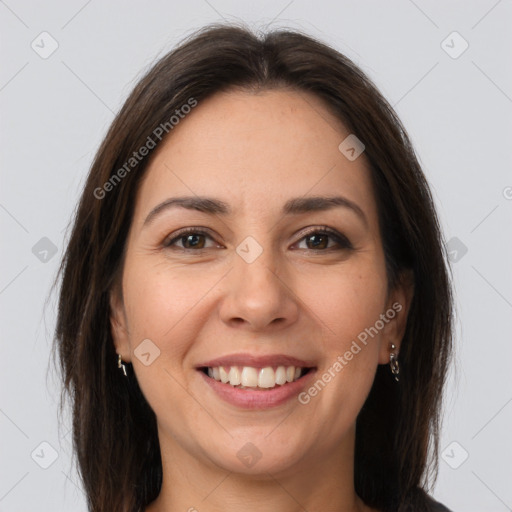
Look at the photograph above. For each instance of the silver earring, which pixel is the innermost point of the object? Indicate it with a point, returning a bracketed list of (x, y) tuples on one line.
[(121, 365), (393, 363)]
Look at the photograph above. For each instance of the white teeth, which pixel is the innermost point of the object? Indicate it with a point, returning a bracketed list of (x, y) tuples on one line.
[(249, 377), (234, 376), (223, 375), (266, 378), (280, 375)]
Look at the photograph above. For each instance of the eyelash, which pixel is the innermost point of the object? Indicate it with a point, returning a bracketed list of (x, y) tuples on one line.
[(340, 239)]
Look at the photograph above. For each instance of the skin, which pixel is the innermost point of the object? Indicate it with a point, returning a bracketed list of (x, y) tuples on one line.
[(255, 151)]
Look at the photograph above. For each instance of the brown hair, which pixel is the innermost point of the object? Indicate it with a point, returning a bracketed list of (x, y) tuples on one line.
[(114, 429)]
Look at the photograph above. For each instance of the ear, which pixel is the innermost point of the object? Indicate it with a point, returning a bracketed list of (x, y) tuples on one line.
[(397, 311), (118, 324)]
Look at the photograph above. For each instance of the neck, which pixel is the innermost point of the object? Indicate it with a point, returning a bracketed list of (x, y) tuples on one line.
[(324, 481)]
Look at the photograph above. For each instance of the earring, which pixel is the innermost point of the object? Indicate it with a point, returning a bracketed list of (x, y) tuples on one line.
[(393, 363), (121, 365)]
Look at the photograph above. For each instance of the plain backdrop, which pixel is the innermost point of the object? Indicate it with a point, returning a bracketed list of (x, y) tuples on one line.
[(67, 67)]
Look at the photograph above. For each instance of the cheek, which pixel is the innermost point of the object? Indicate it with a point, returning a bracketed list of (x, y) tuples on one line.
[(346, 301), (160, 307), (159, 300)]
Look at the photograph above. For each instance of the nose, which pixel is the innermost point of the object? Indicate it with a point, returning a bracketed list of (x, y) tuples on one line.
[(258, 295)]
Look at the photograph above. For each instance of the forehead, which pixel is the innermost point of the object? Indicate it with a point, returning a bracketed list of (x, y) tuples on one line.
[(255, 151)]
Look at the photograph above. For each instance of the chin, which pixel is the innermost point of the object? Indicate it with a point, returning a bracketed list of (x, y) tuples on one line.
[(258, 453)]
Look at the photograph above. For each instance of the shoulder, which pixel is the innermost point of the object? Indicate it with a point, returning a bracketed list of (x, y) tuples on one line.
[(435, 506)]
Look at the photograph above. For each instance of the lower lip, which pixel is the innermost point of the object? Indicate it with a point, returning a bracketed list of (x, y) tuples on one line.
[(255, 399)]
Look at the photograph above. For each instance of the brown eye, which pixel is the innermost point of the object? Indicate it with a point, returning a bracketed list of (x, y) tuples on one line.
[(318, 240), (190, 240)]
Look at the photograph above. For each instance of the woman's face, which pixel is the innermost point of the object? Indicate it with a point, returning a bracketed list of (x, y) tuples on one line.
[(258, 292)]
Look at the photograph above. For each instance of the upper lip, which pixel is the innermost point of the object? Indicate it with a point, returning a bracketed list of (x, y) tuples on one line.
[(256, 361)]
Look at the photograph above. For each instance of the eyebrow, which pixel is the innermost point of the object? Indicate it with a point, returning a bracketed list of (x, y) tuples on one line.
[(295, 206)]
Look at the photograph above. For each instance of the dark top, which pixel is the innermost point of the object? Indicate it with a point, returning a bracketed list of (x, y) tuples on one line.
[(438, 507)]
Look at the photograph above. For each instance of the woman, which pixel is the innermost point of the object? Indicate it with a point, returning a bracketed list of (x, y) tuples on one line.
[(255, 308)]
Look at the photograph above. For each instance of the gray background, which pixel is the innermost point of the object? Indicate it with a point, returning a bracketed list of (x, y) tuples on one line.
[(456, 106)]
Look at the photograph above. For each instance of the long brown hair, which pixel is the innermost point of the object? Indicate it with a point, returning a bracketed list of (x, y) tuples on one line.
[(114, 429)]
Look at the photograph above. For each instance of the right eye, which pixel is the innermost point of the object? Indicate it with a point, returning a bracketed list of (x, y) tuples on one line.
[(192, 239)]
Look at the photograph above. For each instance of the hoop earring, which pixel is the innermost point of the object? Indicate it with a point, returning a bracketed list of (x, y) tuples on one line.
[(393, 363), (121, 365)]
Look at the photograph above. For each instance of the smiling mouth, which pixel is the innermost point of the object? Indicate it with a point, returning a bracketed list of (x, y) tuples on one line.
[(249, 377)]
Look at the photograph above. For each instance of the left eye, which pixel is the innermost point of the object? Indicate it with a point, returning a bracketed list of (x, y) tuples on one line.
[(318, 236)]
